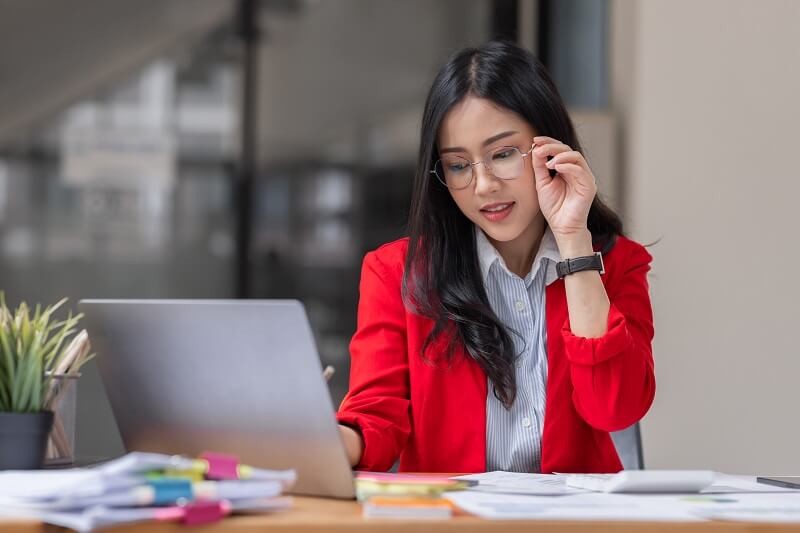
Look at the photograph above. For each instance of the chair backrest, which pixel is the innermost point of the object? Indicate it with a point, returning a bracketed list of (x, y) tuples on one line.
[(629, 447), (628, 443)]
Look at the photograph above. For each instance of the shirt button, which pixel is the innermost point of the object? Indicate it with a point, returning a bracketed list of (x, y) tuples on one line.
[(526, 422), (519, 305)]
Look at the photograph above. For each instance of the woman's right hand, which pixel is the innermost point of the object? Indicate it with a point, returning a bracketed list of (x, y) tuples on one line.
[(353, 444)]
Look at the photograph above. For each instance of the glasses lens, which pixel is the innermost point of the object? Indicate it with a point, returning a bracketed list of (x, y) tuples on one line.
[(455, 172), (506, 163)]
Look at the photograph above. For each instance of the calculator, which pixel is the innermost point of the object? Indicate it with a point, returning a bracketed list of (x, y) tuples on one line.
[(644, 481)]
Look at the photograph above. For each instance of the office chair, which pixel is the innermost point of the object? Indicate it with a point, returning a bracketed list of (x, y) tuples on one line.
[(629, 447), (628, 443)]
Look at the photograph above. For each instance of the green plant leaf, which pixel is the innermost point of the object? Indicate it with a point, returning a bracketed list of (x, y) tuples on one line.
[(5, 400), (7, 368), (31, 344), (31, 386)]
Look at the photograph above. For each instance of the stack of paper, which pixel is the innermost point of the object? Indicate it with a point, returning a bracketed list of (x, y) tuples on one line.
[(406, 495), (140, 487)]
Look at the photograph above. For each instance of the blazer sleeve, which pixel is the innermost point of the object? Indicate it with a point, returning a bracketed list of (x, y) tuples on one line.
[(377, 404), (613, 376)]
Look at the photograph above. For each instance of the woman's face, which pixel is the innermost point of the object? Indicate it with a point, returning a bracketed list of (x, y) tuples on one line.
[(472, 130)]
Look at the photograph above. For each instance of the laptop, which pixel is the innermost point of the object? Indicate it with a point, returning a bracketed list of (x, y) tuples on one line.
[(241, 377)]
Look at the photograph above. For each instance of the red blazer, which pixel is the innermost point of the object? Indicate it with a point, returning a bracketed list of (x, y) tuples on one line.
[(433, 414)]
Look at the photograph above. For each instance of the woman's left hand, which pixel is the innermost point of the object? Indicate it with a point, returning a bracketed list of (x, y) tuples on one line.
[(566, 198)]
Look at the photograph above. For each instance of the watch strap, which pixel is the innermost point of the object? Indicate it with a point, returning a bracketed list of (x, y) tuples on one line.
[(579, 264)]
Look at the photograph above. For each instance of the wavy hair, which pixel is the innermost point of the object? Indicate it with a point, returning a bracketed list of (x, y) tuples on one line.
[(442, 278)]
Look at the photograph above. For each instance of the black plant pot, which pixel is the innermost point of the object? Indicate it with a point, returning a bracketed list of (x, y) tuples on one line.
[(23, 439)]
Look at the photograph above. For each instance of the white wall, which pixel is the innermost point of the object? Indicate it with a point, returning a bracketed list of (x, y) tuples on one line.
[(707, 92)]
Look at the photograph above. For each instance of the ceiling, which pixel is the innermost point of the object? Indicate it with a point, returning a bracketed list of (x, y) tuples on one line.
[(339, 80), (52, 53)]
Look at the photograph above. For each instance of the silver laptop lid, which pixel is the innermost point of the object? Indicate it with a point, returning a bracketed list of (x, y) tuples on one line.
[(233, 376)]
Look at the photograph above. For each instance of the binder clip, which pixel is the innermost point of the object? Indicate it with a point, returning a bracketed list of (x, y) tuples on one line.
[(196, 513), (221, 466)]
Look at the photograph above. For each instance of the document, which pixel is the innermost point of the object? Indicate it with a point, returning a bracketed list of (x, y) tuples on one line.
[(136, 487), (40, 487), (731, 484), (735, 504), (588, 506), (520, 483), (555, 484), (778, 507), (86, 520)]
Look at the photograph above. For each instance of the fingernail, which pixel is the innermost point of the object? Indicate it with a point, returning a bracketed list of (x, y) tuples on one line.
[(550, 164)]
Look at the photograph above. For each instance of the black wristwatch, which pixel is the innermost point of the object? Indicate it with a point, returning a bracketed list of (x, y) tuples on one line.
[(579, 264)]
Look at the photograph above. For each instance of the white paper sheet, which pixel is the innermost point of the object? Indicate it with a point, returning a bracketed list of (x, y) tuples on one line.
[(554, 485), (749, 507), (92, 518), (755, 507), (35, 486), (43, 484), (731, 484), (519, 483), (590, 506)]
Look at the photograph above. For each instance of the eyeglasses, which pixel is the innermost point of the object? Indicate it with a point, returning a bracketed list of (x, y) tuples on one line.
[(456, 172)]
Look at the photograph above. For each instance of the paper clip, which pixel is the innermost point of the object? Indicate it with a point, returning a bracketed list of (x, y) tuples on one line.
[(168, 491), (204, 512), (221, 466)]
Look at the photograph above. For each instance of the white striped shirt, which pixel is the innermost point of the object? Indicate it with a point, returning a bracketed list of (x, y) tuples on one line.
[(514, 437)]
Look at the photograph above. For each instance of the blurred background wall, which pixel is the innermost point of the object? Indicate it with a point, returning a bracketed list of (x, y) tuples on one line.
[(707, 94), (222, 149)]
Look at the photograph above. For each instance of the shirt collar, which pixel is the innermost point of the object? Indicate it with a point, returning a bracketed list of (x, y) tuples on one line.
[(548, 249)]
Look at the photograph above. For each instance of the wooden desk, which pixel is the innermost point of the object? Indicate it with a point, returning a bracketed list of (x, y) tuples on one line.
[(333, 516)]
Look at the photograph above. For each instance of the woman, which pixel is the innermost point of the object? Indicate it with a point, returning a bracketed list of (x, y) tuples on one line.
[(479, 347)]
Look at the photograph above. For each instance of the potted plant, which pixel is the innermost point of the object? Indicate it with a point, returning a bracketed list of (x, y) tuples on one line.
[(32, 348)]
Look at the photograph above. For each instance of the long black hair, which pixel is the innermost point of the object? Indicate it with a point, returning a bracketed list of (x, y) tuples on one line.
[(442, 278)]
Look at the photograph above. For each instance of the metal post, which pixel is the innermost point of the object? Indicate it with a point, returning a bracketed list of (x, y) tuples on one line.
[(246, 170), (504, 20)]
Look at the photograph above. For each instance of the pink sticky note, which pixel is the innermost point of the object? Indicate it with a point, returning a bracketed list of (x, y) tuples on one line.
[(221, 466), (203, 513)]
